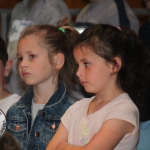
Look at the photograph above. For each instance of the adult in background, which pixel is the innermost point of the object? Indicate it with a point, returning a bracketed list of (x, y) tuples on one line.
[(113, 12), (144, 30), (144, 34)]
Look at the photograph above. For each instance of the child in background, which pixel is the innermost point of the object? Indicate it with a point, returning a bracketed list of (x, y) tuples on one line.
[(8, 142), (6, 98), (112, 63), (44, 63)]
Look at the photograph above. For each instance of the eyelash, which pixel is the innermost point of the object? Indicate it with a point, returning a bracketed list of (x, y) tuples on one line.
[(86, 64), (19, 59), (32, 56)]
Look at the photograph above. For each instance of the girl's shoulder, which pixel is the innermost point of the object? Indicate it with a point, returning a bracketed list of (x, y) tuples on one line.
[(123, 100), (122, 108), (122, 104)]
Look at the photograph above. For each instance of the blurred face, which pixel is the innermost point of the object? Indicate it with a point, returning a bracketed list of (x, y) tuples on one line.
[(2, 68), (93, 72), (33, 62)]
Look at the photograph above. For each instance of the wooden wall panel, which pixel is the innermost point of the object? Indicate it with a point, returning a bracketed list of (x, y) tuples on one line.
[(8, 3), (76, 3), (136, 3), (71, 3)]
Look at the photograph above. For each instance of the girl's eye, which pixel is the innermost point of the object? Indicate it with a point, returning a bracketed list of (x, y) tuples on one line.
[(32, 56), (19, 59), (86, 64)]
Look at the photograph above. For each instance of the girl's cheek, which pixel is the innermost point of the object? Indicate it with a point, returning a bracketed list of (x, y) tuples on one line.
[(19, 70)]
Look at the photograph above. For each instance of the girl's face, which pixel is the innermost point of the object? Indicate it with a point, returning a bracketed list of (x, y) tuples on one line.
[(93, 71), (33, 62)]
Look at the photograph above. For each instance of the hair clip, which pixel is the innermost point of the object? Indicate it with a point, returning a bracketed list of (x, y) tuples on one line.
[(62, 30), (118, 28)]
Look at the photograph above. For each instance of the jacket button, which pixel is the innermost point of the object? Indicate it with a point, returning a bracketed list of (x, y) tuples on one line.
[(37, 134), (17, 127), (43, 113)]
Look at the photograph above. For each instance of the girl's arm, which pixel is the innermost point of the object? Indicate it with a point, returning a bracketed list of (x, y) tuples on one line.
[(60, 136), (107, 138)]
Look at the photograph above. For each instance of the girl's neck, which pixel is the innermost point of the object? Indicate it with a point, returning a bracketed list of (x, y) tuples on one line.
[(102, 99), (108, 96), (43, 94)]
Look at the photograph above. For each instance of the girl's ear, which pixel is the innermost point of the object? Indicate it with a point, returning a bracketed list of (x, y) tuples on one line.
[(59, 60), (8, 67), (116, 65)]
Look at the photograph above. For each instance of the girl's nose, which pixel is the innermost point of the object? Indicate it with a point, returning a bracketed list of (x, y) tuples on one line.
[(22, 63), (78, 73)]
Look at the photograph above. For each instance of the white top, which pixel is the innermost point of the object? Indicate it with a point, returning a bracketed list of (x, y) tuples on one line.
[(6, 103), (81, 127), (34, 109)]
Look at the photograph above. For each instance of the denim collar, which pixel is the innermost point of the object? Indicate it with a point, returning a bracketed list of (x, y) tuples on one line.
[(26, 99)]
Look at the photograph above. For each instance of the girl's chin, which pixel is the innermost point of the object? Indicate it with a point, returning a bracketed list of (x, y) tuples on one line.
[(87, 90)]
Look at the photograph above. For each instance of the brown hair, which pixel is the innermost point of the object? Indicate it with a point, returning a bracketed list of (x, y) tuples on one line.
[(8, 142), (3, 51)]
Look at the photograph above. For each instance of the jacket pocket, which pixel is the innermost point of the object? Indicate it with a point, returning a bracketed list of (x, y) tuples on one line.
[(50, 126), (17, 126)]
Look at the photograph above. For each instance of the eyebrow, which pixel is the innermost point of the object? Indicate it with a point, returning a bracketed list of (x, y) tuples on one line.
[(82, 60), (28, 52)]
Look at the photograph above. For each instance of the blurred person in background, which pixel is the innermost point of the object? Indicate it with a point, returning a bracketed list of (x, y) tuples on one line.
[(6, 97), (144, 34), (144, 31), (113, 12)]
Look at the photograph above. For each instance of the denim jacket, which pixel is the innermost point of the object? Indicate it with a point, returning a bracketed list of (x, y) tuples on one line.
[(45, 124)]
